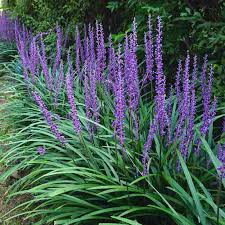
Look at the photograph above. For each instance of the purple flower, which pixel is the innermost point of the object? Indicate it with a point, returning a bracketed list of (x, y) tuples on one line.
[(41, 150), (120, 105), (160, 81), (71, 99), (48, 116), (169, 114), (221, 157), (92, 46), (149, 53), (87, 93), (101, 52), (148, 145), (34, 60), (208, 111), (60, 80), (43, 60), (93, 93), (221, 153), (191, 118), (131, 74), (221, 169), (207, 121), (194, 72), (184, 108), (70, 67), (134, 35)]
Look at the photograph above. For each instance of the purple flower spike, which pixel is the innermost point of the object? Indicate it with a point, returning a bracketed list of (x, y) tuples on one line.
[(148, 145), (87, 93), (71, 70), (149, 53), (59, 83), (41, 150), (71, 99), (221, 157), (221, 153), (207, 121), (111, 64), (184, 109), (34, 60), (160, 81), (101, 52), (194, 73), (134, 31), (120, 105), (92, 46), (44, 65), (48, 116)]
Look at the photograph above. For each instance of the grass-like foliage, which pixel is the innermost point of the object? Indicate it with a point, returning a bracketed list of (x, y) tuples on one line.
[(101, 143)]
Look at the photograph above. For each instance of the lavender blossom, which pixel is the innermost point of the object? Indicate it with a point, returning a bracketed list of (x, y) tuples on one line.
[(160, 81), (169, 114), (93, 92), (43, 60), (41, 150), (148, 145), (60, 80), (191, 122), (184, 109), (120, 105), (71, 99), (48, 116), (92, 46), (132, 76), (87, 93), (207, 112), (149, 53), (34, 60), (70, 67), (221, 157), (207, 121), (21, 46), (101, 57), (221, 153), (134, 35), (194, 72)]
